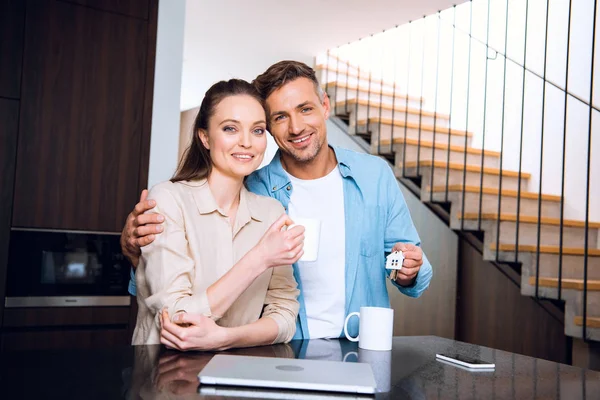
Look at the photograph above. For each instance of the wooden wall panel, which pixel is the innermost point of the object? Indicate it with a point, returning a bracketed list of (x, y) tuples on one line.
[(144, 161), (133, 8), (12, 18), (492, 312), (9, 117), (81, 118)]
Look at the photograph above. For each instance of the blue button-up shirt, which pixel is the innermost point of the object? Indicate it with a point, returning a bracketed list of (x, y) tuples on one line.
[(376, 218)]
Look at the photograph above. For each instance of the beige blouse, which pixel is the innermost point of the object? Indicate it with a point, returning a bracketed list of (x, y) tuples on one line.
[(197, 247)]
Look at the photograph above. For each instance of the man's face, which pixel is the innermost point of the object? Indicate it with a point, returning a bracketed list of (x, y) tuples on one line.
[(297, 119)]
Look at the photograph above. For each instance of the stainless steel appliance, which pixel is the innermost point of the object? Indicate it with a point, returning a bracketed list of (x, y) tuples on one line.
[(65, 269)]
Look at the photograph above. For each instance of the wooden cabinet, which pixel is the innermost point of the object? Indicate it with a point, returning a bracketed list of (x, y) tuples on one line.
[(83, 119), (133, 8), (69, 327), (64, 339), (12, 14), (9, 115), (76, 90)]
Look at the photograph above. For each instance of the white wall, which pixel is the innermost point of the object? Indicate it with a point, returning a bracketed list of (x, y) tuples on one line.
[(240, 39), (374, 53), (164, 141)]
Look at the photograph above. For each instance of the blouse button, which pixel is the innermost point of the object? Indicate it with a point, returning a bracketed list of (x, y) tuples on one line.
[(289, 187)]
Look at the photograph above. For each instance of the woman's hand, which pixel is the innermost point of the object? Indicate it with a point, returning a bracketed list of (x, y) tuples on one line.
[(192, 332), (278, 247)]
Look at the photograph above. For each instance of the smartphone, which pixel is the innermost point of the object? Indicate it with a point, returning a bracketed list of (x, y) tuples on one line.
[(464, 361)]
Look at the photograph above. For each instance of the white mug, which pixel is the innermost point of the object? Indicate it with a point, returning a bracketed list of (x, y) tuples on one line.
[(381, 364), (312, 236), (375, 329)]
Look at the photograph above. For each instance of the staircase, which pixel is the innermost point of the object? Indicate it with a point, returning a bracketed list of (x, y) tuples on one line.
[(424, 148)]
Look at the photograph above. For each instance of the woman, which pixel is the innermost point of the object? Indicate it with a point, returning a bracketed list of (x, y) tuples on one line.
[(224, 260)]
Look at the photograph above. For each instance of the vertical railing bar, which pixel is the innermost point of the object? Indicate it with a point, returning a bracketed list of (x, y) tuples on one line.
[(406, 98), (588, 183), (357, 101), (421, 97), (464, 184), (437, 73), (521, 136), (562, 190), (393, 99), (485, 85), (327, 74), (502, 135), (451, 100), (346, 111), (550, 82), (337, 80), (369, 96), (539, 225), (381, 101)]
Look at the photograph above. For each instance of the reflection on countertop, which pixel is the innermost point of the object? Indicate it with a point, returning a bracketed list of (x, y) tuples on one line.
[(409, 371)]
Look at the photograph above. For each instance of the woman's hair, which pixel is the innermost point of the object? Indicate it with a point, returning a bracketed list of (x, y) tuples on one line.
[(195, 163)]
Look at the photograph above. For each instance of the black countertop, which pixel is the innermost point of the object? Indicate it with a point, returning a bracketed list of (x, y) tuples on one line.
[(409, 371)]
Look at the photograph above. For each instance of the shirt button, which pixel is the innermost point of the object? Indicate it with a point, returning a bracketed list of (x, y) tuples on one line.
[(274, 187), (289, 187)]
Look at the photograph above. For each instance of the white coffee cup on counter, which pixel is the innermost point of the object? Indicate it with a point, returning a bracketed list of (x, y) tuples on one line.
[(375, 329), (312, 236)]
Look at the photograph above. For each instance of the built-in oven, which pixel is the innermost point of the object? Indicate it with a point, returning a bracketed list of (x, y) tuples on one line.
[(65, 269)]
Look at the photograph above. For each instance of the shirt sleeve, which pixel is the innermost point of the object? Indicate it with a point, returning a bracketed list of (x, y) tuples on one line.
[(281, 302), (169, 269), (400, 228)]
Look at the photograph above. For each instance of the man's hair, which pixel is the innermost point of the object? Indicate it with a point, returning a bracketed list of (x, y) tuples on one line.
[(284, 72)]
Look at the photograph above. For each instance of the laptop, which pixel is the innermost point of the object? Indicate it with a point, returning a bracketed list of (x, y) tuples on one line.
[(288, 373)]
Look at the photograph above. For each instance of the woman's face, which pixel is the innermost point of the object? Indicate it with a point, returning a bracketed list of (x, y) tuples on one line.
[(237, 136)]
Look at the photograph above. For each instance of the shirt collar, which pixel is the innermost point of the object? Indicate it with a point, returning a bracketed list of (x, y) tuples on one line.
[(206, 203), (280, 178)]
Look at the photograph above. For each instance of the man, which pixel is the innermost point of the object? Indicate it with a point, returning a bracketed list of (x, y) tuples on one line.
[(356, 196)]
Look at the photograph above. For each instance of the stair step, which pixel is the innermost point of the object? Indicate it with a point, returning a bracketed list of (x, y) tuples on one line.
[(332, 58), (352, 89), (440, 146), (434, 173), (573, 251), (343, 73), (407, 150), (413, 125), (363, 108), (576, 284), (531, 219), (340, 92), (390, 107), (488, 200), (592, 322), (573, 232), (383, 129), (494, 191), (468, 168)]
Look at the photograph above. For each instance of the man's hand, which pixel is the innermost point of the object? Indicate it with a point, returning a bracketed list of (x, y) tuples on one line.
[(140, 228), (413, 259), (191, 332)]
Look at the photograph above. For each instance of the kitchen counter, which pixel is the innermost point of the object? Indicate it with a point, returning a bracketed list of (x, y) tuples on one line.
[(409, 371)]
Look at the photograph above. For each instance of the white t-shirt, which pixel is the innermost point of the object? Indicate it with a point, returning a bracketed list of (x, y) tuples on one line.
[(323, 281)]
